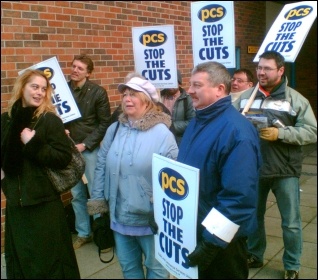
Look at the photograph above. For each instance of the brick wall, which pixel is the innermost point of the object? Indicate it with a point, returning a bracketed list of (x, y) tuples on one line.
[(33, 31)]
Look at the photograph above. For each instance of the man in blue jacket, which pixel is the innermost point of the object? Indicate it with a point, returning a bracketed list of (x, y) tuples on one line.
[(224, 145)]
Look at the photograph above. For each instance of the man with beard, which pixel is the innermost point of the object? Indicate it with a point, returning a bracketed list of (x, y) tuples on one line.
[(291, 124)]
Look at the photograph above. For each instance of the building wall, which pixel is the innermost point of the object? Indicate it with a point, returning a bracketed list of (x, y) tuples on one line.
[(33, 31)]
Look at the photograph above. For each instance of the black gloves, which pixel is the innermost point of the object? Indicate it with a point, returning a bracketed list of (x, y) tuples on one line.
[(203, 255)]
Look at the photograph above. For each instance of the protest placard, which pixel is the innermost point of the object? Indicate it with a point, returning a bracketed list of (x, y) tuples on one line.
[(289, 30), (213, 32), (155, 55), (175, 196), (62, 97)]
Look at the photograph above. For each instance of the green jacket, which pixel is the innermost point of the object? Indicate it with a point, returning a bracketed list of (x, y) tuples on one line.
[(181, 115), (283, 158)]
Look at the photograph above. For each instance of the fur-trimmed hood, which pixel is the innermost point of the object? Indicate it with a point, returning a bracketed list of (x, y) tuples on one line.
[(150, 119), (124, 165)]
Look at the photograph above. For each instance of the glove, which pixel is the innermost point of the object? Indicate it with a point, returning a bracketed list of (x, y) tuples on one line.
[(203, 255), (269, 133), (97, 206)]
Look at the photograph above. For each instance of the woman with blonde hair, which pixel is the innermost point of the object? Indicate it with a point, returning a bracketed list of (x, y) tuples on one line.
[(38, 243), (123, 177)]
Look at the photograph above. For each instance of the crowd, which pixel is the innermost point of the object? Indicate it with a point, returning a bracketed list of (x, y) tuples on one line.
[(205, 126)]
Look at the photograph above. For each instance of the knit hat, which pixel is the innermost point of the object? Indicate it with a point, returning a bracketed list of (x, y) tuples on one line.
[(141, 85)]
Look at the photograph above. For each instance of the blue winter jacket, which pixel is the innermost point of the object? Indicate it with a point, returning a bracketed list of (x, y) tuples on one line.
[(123, 173), (224, 145)]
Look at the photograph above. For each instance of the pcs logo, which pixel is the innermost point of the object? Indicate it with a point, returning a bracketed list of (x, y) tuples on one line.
[(48, 72), (211, 13), (153, 38), (298, 12), (173, 184)]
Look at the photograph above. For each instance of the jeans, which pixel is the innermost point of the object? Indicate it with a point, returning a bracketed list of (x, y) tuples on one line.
[(286, 191), (130, 251), (80, 194)]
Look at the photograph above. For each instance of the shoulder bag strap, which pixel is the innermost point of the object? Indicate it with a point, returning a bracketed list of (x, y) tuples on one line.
[(99, 251), (116, 130), (37, 121)]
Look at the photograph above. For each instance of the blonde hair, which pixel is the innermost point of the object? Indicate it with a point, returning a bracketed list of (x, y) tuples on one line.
[(18, 88), (145, 100)]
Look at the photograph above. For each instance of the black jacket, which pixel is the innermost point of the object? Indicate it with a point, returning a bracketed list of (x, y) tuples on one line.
[(93, 104), (29, 184)]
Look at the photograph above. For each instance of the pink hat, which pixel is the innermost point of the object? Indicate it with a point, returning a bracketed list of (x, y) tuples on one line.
[(141, 85)]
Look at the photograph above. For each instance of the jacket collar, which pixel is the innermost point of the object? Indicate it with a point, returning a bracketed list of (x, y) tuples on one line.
[(214, 110), (149, 120)]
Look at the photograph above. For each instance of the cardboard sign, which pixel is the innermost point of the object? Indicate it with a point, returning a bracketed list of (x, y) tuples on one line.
[(62, 97), (213, 32), (289, 30), (175, 196), (155, 55)]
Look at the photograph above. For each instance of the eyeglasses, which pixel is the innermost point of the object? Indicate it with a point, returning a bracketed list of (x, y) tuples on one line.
[(240, 81), (265, 69)]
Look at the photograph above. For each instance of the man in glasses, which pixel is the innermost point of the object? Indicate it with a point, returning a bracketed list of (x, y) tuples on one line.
[(291, 123), (240, 82)]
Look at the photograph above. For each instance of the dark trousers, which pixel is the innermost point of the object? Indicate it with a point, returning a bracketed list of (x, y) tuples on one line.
[(230, 263)]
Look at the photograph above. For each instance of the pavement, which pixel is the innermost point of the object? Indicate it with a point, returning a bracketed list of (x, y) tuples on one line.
[(91, 267)]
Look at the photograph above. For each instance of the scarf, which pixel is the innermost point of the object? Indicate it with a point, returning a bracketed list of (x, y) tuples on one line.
[(12, 155)]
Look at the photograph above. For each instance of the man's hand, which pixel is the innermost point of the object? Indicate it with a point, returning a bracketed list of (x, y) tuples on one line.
[(269, 133), (203, 255)]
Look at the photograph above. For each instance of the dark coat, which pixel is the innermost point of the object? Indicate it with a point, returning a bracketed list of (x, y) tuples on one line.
[(224, 145), (93, 104), (48, 148), (38, 243)]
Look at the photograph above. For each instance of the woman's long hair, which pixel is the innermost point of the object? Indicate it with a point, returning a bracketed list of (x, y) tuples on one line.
[(17, 93)]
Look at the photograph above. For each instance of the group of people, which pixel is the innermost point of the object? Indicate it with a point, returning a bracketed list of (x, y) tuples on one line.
[(203, 127)]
